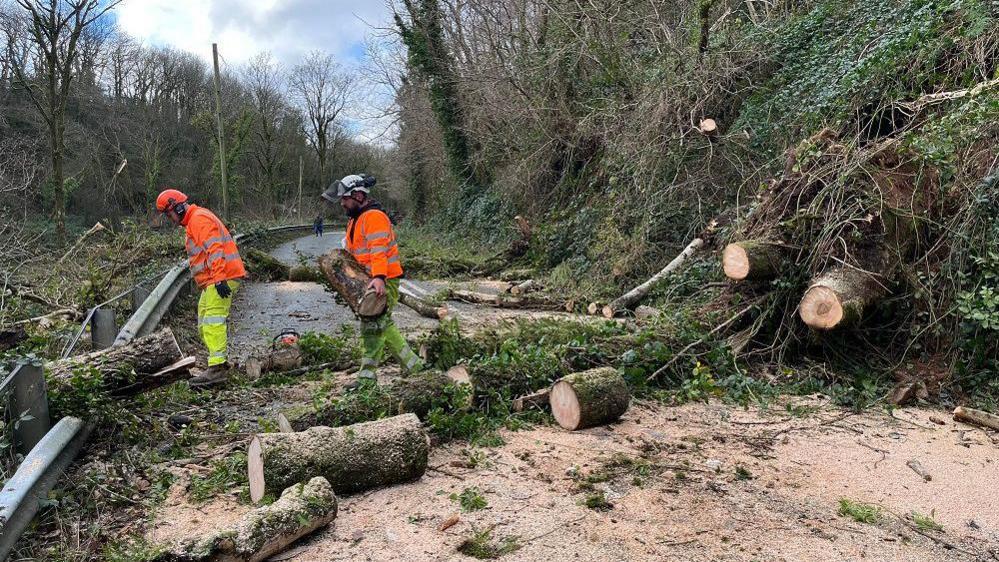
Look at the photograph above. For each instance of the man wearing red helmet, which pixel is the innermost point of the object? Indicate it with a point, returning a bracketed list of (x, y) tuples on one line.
[(216, 266)]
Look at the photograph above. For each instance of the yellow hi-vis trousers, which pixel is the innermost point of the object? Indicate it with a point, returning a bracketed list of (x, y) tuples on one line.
[(381, 333), (213, 313)]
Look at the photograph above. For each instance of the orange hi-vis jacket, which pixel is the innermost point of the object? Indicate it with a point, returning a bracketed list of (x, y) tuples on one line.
[(371, 240), (211, 252)]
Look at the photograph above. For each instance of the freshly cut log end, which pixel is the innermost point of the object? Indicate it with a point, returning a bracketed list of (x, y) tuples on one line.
[(593, 308), (608, 311), (838, 298), (352, 458), (751, 260), (589, 398), (265, 531), (709, 127), (422, 307)]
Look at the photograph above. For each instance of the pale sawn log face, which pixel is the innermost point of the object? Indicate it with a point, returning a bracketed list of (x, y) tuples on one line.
[(353, 458), (589, 398), (839, 297)]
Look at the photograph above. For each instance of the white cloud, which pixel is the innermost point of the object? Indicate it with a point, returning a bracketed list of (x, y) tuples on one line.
[(243, 28)]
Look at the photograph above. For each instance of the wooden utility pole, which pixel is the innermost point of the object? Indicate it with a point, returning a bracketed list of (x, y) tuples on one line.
[(301, 171), (218, 112)]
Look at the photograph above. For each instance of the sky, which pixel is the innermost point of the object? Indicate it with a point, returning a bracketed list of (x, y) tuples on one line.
[(242, 28)]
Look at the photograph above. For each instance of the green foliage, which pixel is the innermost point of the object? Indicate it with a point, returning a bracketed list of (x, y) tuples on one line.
[(470, 499), (859, 512), (481, 545), (597, 501), (82, 395), (227, 475), (323, 348), (926, 522), (133, 549)]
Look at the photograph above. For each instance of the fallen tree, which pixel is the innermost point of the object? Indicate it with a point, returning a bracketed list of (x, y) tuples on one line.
[(415, 394), (143, 364), (266, 267), (752, 259), (301, 510), (524, 302), (636, 295), (352, 458), (282, 359), (422, 307), (304, 273), (838, 298), (589, 398), (350, 280)]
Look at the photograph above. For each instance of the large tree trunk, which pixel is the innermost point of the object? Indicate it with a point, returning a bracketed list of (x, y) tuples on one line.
[(423, 308), (128, 369), (525, 302), (634, 296), (589, 398), (353, 458), (752, 259), (264, 266), (414, 394), (265, 531), (350, 280), (838, 298)]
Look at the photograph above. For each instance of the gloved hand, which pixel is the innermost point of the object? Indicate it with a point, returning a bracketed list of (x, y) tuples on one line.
[(223, 289)]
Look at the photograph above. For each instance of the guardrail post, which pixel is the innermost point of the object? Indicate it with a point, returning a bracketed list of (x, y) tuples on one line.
[(139, 296), (103, 328), (28, 397)]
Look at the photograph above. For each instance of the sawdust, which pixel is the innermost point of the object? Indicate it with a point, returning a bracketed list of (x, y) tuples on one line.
[(690, 503)]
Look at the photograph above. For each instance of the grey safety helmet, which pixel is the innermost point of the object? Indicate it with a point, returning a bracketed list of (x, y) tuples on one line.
[(347, 186)]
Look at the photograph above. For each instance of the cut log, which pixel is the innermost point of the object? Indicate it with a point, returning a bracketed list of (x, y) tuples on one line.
[(634, 296), (143, 364), (589, 398), (352, 458), (752, 259), (537, 399), (593, 308), (525, 287), (708, 128), (301, 510), (422, 307), (977, 417), (350, 280), (525, 302), (264, 266), (283, 359), (304, 273), (839, 297), (417, 394)]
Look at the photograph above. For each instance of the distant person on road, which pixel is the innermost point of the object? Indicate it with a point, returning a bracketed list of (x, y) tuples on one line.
[(317, 226), (214, 260), (371, 240)]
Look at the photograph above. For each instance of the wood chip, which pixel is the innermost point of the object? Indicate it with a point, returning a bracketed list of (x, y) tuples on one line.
[(449, 522)]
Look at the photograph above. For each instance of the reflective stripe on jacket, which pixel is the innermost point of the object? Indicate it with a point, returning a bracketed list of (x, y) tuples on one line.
[(212, 254), (371, 240)]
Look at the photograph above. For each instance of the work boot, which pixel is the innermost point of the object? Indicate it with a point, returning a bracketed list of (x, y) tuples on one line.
[(216, 374)]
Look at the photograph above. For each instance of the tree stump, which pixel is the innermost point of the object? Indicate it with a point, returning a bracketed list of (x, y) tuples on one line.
[(589, 398), (352, 458)]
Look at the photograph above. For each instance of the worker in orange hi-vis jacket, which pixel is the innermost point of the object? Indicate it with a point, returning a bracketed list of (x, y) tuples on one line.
[(216, 266), (371, 240)]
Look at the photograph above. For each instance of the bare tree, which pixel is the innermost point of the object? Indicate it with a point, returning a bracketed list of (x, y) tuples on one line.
[(323, 90), (264, 80), (54, 28)]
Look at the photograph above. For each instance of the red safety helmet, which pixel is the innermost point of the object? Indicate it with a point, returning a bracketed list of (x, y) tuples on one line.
[(168, 199)]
